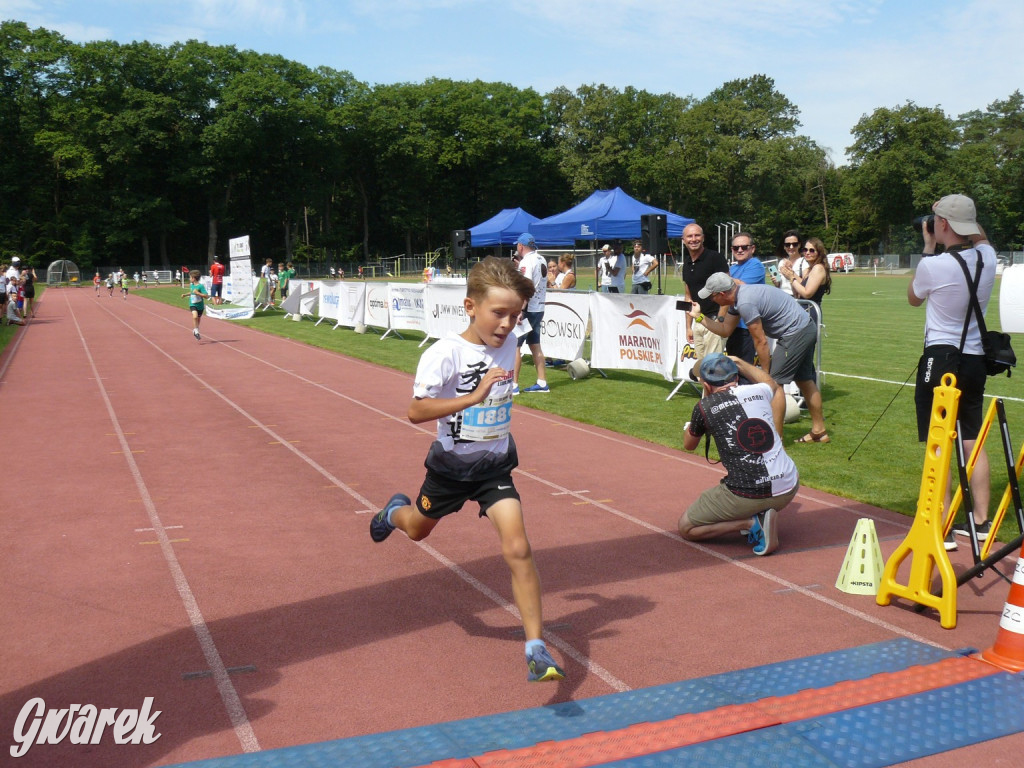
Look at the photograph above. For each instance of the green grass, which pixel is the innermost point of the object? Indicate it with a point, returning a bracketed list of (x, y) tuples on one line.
[(870, 331)]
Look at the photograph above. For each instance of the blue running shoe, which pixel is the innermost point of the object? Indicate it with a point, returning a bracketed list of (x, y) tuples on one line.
[(542, 666), (764, 534), (515, 389), (380, 528), (537, 388)]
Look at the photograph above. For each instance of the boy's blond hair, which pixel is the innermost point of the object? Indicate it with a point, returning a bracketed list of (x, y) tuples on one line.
[(493, 272)]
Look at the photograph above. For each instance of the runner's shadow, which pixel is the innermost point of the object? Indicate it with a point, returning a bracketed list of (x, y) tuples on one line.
[(578, 628)]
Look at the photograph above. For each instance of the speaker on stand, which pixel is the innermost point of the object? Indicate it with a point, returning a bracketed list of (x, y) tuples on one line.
[(654, 238), (462, 241)]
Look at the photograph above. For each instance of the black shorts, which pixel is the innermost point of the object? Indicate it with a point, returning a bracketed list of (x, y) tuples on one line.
[(197, 308), (216, 289), (440, 495), (450, 483), (970, 380)]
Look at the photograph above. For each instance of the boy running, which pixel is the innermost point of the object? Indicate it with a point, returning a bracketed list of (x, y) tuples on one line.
[(464, 382), (195, 300)]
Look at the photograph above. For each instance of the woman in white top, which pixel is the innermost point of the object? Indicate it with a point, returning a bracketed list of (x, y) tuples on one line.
[(793, 266), (566, 277)]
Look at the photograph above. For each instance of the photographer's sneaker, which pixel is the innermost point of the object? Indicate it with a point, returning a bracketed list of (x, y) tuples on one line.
[(380, 528), (542, 666), (983, 529), (764, 533)]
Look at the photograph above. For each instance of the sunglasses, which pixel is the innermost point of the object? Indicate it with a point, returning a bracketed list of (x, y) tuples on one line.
[(742, 247), (790, 245), (808, 250)]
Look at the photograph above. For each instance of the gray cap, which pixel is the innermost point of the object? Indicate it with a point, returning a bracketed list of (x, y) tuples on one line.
[(717, 283)]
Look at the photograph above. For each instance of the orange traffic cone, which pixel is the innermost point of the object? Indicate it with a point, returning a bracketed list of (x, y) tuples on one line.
[(1008, 650)]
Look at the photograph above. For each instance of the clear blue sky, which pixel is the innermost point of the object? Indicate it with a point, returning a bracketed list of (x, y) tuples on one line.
[(836, 60)]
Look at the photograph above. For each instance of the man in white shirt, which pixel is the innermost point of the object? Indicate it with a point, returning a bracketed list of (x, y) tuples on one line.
[(533, 265), (643, 265), (941, 282)]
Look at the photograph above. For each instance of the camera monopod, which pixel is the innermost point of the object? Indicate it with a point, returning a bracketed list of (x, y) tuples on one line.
[(884, 410)]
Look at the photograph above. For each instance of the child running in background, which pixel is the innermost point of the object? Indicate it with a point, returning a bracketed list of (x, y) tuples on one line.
[(96, 280), (464, 382), (196, 303), (124, 285)]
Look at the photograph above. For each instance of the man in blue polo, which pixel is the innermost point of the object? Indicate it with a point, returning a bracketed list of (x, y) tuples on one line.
[(747, 268)]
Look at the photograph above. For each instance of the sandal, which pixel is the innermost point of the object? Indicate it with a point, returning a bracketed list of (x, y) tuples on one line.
[(814, 437)]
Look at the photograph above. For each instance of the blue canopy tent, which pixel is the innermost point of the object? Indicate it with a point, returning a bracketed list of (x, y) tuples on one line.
[(501, 229), (608, 214)]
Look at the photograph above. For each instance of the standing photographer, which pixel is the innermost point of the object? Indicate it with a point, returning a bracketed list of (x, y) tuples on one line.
[(941, 281)]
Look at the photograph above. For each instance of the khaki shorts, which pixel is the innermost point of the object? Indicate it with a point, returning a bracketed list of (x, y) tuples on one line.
[(720, 505)]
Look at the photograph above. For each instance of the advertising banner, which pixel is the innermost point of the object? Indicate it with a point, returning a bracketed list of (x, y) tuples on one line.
[(330, 299), (375, 312), (238, 284), (405, 303), (565, 325), (633, 331), (444, 304), (351, 299)]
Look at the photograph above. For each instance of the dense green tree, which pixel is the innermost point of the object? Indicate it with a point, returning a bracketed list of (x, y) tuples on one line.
[(900, 164)]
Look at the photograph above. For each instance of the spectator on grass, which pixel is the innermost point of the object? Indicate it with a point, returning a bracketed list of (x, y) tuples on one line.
[(552, 273), (605, 269), (531, 264), (817, 279), (699, 263), (792, 265), (760, 477), (770, 312), (217, 280), (941, 282), (643, 265), (746, 268), (566, 277)]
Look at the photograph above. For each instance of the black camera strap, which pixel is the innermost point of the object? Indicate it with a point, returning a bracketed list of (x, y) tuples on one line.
[(972, 287)]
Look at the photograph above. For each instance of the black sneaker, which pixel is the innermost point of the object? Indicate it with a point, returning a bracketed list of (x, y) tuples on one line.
[(950, 542), (982, 529), (380, 528)]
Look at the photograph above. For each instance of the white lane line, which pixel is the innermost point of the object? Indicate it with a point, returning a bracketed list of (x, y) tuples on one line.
[(607, 508), (228, 693)]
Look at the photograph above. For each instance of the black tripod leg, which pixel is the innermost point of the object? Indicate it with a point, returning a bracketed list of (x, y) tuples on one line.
[(965, 493)]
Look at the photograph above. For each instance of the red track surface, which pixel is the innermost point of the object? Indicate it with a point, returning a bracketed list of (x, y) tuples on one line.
[(175, 507)]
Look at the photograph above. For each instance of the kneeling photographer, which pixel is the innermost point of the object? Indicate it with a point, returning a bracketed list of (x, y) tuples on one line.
[(952, 338)]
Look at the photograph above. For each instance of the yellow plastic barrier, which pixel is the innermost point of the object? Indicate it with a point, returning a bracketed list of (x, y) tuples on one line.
[(924, 540)]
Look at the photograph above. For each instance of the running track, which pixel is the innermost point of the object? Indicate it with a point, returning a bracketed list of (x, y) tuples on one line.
[(188, 521)]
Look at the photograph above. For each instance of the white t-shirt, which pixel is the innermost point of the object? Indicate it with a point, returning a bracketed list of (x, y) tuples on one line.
[(454, 367), (940, 280), (608, 263), (534, 266), (641, 264)]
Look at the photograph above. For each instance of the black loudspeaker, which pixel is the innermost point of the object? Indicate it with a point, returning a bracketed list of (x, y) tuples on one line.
[(461, 243), (654, 233)]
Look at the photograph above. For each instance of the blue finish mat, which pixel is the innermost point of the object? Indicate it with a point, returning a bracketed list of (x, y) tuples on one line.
[(855, 737)]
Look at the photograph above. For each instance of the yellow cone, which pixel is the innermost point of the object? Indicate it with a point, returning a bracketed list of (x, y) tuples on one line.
[(862, 569)]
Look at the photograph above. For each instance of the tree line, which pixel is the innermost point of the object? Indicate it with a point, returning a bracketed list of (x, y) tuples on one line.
[(156, 155)]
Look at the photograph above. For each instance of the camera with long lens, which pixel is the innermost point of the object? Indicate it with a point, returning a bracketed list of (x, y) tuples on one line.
[(925, 221)]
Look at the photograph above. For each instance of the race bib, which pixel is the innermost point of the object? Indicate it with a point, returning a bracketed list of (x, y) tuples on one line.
[(490, 420)]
